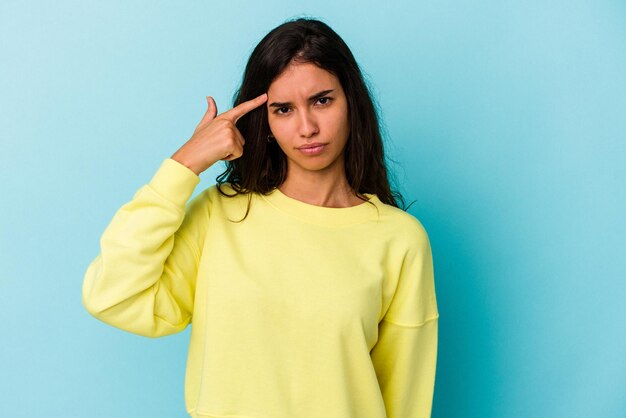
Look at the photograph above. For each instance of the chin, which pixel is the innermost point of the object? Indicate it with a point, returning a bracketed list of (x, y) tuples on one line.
[(318, 163)]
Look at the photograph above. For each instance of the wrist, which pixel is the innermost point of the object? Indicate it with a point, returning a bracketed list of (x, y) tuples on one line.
[(184, 162)]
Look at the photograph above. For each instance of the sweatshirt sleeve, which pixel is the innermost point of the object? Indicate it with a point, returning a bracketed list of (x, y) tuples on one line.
[(405, 355), (143, 279)]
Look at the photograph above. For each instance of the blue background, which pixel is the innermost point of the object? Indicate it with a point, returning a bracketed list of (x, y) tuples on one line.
[(505, 122)]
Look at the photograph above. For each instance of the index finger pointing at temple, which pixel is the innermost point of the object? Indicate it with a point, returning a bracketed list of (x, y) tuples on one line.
[(237, 112)]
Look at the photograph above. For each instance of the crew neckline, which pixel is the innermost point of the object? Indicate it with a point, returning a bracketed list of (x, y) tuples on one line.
[(323, 215)]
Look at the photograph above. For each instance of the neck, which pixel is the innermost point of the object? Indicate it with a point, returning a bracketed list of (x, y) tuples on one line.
[(328, 188)]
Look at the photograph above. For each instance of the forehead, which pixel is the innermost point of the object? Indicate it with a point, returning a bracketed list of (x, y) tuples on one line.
[(302, 79)]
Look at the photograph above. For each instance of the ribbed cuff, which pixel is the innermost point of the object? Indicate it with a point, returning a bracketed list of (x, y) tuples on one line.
[(174, 181)]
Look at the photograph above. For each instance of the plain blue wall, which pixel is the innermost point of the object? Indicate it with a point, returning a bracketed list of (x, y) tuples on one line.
[(507, 124)]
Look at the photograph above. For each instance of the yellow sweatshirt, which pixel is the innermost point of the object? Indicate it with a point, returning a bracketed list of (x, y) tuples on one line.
[(299, 311)]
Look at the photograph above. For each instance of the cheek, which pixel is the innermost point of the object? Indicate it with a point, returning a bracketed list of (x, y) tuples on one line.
[(278, 126), (340, 124), (340, 118)]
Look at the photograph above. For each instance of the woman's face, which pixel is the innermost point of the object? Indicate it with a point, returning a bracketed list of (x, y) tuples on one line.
[(307, 105)]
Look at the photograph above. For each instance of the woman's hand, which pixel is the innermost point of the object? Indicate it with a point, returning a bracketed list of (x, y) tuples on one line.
[(216, 137)]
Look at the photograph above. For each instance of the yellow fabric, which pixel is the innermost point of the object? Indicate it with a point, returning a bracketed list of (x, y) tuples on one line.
[(297, 311)]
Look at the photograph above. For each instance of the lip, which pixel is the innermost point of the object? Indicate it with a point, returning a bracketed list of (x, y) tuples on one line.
[(312, 145), (312, 149)]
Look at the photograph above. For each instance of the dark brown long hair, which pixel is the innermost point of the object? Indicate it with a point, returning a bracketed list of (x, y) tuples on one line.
[(263, 165)]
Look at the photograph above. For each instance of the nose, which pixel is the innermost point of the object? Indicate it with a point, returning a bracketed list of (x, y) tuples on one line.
[(308, 124)]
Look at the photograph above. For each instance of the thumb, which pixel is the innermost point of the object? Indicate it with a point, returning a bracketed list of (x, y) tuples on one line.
[(211, 110)]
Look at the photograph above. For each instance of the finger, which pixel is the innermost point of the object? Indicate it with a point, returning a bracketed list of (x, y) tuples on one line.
[(237, 112), (242, 141), (238, 145), (234, 153)]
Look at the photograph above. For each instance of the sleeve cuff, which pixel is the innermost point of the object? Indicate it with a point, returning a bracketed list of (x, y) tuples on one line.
[(174, 181)]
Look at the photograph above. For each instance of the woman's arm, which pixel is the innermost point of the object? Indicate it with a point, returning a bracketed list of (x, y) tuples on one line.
[(143, 280), (405, 355), (405, 359)]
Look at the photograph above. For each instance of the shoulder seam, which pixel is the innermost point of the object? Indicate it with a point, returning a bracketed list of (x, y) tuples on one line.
[(412, 325)]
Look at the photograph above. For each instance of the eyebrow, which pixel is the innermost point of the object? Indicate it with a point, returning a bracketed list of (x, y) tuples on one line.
[(312, 98)]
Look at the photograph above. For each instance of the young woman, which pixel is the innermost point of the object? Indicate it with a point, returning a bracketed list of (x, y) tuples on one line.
[(310, 292)]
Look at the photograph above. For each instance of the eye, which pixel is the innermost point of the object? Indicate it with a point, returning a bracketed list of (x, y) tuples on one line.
[(328, 100), (278, 110)]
